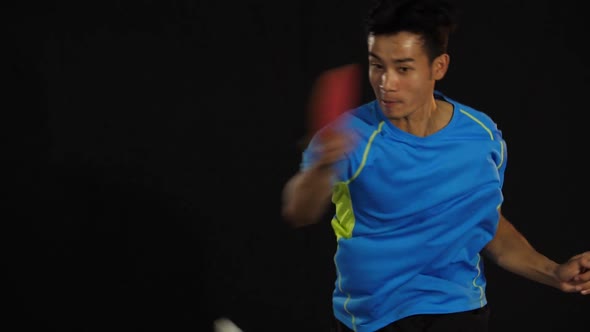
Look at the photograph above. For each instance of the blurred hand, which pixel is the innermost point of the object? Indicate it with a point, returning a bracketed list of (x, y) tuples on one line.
[(332, 146)]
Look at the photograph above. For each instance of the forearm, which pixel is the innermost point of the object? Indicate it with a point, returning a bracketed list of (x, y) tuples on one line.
[(306, 196), (511, 251)]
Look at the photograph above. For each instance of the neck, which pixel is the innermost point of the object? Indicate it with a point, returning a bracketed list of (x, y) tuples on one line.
[(423, 121)]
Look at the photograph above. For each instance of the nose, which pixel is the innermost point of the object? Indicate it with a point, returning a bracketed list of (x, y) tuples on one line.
[(389, 82)]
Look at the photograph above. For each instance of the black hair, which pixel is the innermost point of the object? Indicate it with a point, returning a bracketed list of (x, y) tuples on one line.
[(432, 20)]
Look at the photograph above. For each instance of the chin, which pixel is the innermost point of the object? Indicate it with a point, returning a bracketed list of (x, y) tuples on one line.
[(391, 110)]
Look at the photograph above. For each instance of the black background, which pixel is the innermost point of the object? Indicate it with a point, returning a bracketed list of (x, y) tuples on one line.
[(147, 142)]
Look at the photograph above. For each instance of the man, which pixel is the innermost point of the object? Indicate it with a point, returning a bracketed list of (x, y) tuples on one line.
[(416, 180)]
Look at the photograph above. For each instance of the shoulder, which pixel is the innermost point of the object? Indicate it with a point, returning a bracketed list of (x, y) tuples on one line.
[(475, 115), (468, 116), (362, 118), (360, 122)]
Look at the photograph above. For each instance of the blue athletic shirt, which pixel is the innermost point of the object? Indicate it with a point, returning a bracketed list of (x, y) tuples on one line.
[(412, 215)]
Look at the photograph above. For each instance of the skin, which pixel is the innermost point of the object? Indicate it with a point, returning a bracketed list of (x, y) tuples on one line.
[(510, 250), (403, 80)]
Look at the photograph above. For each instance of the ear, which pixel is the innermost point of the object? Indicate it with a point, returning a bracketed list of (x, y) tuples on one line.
[(440, 65)]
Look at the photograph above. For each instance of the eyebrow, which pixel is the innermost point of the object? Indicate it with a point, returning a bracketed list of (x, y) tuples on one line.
[(402, 60)]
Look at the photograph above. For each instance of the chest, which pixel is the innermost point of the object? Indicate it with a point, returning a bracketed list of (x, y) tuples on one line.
[(394, 175)]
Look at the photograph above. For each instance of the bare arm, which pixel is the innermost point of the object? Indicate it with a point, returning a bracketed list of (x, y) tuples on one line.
[(511, 250), (306, 196)]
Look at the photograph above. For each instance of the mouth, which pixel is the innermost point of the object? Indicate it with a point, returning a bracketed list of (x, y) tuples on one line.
[(390, 102)]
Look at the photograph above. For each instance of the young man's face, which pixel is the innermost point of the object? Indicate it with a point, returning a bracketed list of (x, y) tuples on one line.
[(401, 74)]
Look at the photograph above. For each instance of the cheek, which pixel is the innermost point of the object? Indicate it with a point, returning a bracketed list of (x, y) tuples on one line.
[(374, 80), (416, 82)]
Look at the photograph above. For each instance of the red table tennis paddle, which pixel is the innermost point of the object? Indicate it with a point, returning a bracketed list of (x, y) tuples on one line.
[(335, 91)]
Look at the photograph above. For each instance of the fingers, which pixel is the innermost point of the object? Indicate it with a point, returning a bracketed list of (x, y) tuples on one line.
[(578, 269), (583, 275), (585, 260), (581, 282), (585, 256), (583, 288)]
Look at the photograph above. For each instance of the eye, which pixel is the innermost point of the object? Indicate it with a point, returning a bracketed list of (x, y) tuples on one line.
[(376, 65), (403, 69)]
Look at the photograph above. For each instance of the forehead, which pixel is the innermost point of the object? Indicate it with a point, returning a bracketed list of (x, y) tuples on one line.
[(401, 44)]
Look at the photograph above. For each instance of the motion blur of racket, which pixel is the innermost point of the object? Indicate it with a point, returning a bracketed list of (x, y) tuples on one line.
[(334, 92), (224, 324)]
